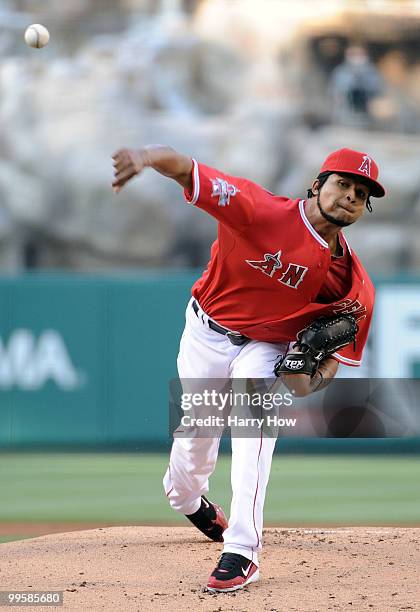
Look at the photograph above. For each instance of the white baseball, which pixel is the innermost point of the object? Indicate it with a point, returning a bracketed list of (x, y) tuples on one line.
[(37, 35)]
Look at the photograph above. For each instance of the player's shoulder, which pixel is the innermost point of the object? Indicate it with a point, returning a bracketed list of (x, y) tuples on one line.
[(280, 203), (215, 174), (242, 185), (277, 199)]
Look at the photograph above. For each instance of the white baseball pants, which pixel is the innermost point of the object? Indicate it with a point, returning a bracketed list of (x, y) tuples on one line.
[(203, 354)]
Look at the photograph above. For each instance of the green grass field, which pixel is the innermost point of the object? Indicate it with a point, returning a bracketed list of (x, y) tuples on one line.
[(126, 488)]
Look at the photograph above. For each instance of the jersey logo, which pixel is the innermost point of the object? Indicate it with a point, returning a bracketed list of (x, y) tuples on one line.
[(223, 190), (293, 275), (294, 364), (365, 165), (268, 265), (353, 307)]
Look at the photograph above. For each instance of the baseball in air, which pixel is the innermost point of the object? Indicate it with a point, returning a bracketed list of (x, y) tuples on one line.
[(37, 36)]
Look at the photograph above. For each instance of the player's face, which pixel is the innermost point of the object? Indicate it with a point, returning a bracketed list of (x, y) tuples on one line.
[(342, 199)]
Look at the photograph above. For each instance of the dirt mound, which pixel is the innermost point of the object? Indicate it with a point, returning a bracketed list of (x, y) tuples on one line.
[(159, 568)]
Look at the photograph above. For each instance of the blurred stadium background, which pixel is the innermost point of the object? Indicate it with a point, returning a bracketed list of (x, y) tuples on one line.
[(93, 288)]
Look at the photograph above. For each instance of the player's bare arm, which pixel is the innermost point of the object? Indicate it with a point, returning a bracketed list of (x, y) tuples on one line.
[(304, 384), (129, 163)]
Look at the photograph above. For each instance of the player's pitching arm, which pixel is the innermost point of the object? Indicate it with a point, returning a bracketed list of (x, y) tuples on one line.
[(165, 160)]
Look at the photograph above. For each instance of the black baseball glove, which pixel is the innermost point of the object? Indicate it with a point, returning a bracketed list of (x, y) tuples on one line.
[(321, 338)]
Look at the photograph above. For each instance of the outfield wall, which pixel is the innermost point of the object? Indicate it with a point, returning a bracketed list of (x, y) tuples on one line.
[(85, 361)]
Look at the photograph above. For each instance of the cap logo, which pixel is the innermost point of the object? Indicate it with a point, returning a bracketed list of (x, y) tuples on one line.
[(365, 165)]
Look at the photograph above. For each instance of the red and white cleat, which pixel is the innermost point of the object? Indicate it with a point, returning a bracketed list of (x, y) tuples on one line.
[(233, 572), (209, 519)]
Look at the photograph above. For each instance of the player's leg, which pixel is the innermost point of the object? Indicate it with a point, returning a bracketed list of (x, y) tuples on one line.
[(203, 354), (251, 464)]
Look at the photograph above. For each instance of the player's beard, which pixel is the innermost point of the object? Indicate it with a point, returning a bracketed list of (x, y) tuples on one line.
[(329, 217)]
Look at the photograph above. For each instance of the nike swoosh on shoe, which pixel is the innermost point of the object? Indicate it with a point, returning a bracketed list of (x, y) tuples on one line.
[(246, 571)]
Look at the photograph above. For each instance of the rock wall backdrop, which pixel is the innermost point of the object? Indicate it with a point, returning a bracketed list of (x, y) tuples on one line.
[(236, 86)]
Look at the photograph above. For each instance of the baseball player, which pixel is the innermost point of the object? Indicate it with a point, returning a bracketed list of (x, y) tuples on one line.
[(278, 265)]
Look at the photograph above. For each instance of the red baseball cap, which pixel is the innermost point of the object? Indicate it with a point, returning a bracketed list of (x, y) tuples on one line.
[(347, 161)]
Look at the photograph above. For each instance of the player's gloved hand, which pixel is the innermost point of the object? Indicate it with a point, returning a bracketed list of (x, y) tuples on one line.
[(321, 338), (296, 362)]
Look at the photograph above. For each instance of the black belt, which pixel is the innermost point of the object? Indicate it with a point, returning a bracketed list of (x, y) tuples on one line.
[(234, 337)]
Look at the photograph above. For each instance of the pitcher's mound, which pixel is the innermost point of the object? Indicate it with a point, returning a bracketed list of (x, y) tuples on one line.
[(165, 568)]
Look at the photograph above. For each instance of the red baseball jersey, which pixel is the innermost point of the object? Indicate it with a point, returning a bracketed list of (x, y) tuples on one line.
[(270, 272)]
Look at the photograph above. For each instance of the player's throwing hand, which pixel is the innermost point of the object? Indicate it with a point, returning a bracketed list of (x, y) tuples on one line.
[(163, 159), (128, 163)]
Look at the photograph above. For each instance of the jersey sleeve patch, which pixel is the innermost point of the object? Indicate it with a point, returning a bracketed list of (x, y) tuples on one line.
[(223, 191), (214, 191)]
